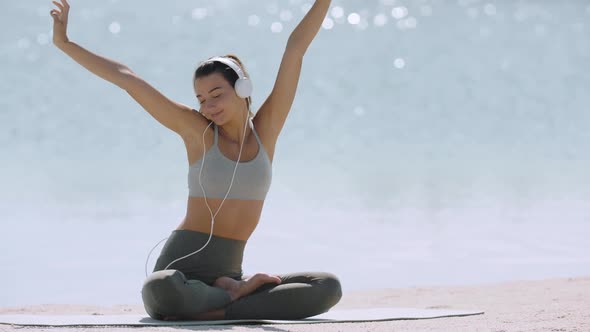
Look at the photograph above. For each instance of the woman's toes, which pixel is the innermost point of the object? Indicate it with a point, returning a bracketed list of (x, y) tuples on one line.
[(264, 278), (237, 289)]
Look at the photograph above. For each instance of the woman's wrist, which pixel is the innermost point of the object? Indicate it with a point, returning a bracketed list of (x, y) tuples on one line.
[(61, 43)]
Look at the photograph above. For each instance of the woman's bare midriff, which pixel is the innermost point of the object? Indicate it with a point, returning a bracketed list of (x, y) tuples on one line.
[(236, 219)]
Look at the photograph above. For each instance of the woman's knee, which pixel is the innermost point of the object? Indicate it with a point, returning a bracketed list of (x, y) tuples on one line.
[(329, 289), (160, 293), (168, 293)]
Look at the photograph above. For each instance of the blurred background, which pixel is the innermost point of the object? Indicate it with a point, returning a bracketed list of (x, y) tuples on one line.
[(430, 143)]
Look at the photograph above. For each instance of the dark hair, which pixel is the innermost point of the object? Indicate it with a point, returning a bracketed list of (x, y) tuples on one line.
[(208, 68)]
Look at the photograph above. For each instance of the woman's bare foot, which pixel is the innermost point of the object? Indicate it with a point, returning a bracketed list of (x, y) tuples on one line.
[(237, 289)]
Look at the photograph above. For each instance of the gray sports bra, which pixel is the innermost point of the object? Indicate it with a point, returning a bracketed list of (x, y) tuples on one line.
[(251, 182)]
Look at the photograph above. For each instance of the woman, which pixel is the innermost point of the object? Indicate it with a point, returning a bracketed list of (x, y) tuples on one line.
[(199, 272)]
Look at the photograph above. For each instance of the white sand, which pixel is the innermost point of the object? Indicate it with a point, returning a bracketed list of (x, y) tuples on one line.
[(546, 305)]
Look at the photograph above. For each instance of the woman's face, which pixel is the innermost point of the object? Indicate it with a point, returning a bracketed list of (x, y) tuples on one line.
[(216, 96)]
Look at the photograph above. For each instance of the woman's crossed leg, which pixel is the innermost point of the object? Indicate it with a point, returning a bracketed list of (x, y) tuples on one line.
[(168, 295)]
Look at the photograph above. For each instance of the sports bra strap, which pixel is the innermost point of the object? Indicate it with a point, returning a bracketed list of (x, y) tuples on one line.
[(255, 133)]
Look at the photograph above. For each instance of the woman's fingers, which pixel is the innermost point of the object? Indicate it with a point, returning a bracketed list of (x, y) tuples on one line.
[(57, 14), (65, 4), (61, 7), (62, 13), (66, 10), (60, 21)]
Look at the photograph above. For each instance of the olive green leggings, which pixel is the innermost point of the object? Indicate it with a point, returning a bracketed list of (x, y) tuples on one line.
[(185, 288)]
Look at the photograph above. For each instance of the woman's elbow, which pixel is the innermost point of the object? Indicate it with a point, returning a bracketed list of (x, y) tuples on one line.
[(295, 46), (124, 77)]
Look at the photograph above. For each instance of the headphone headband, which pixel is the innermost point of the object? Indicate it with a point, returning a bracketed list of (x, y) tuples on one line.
[(230, 63)]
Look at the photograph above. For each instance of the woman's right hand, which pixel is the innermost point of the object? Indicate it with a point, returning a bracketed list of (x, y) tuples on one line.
[(60, 22)]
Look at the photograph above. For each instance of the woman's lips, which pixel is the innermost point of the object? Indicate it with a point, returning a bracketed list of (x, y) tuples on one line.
[(216, 114)]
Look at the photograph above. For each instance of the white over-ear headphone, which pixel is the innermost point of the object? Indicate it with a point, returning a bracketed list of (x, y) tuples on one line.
[(243, 88), (243, 85)]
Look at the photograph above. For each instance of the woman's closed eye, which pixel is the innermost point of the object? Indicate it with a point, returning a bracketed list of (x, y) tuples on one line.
[(201, 102)]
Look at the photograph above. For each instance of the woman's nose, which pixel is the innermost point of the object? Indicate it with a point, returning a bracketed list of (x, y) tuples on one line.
[(210, 106)]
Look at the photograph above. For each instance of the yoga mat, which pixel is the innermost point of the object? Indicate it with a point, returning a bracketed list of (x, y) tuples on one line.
[(345, 315)]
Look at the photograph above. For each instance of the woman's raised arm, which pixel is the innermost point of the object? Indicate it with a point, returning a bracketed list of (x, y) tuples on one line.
[(308, 28), (274, 111), (175, 116)]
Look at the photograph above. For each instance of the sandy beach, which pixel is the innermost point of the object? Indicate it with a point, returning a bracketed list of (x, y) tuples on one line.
[(540, 305)]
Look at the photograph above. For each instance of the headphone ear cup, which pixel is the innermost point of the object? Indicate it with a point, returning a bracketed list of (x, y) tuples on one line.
[(243, 87)]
